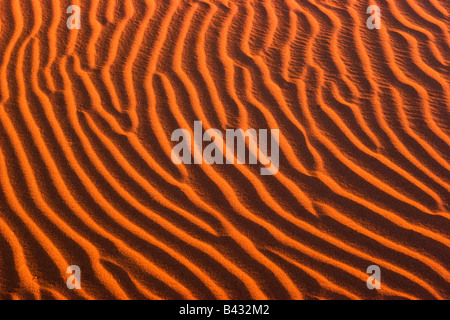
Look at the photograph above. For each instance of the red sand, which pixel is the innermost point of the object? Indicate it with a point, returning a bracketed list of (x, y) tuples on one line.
[(86, 177)]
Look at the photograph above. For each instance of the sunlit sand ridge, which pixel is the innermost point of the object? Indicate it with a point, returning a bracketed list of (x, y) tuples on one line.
[(86, 176)]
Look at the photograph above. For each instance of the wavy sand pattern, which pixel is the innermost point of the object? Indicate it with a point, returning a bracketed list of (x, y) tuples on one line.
[(86, 176)]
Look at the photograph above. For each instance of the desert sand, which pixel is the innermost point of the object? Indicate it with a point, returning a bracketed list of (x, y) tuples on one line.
[(86, 177)]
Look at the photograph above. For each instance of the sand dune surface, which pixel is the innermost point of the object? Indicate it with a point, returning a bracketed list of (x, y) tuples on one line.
[(86, 176)]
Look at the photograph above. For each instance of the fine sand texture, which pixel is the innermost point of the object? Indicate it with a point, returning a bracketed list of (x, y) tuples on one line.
[(86, 176)]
